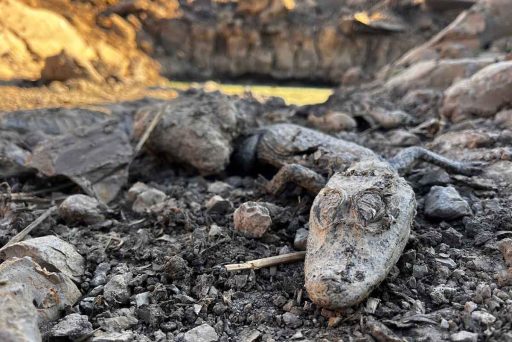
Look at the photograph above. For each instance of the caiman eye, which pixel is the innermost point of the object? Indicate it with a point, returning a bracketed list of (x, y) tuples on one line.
[(326, 207), (370, 207)]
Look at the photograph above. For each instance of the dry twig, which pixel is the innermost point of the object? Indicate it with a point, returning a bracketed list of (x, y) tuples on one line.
[(148, 131), (267, 262)]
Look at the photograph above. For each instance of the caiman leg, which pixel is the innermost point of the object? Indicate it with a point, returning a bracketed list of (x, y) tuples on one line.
[(406, 158), (297, 174)]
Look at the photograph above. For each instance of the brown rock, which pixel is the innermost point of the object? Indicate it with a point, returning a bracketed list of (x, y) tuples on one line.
[(333, 122), (435, 74), (252, 219), (473, 29), (63, 67), (470, 139), (50, 292), (504, 119), (505, 247), (482, 95), (81, 209), (50, 252)]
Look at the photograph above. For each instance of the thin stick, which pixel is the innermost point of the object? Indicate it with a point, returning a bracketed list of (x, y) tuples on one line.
[(148, 131), (21, 235), (267, 262)]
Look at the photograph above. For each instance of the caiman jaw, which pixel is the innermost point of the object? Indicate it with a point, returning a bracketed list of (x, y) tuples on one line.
[(359, 225)]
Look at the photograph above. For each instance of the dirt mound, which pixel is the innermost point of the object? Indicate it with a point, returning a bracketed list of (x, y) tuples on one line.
[(32, 34)]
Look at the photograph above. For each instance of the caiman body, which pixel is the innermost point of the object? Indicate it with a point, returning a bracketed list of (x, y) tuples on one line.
[(361, 217)]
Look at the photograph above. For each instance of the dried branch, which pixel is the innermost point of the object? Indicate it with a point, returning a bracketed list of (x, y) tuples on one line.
[(148, 131), (267, 262)]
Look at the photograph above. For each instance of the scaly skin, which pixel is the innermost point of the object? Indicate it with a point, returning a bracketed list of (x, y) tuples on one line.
[(360, 219)]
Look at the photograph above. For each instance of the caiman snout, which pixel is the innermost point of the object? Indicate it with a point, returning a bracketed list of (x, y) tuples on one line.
[(359, 225)]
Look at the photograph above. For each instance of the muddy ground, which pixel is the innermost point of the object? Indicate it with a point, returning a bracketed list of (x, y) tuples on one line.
[(451, 282)]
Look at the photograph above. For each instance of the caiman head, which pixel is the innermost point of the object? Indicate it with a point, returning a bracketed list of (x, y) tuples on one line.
[(359, 225)]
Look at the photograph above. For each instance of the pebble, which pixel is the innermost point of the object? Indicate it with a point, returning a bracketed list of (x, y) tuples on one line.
[(202, 333), (403, 138), (72, 326), (452, 237), (100, 274), (448, 262), (119, 323), (252, 219), (147, 199), (142, 299), (483, 317), (301, 239), (218, 204), (215, 231), (126, 336), (292, 320), (505, 247), (419, 271), (116, 290), (445, 203), (81, 209), (219, 188), (177, 268), (439, 294), (435, 177), (464, 336), (470, 307)]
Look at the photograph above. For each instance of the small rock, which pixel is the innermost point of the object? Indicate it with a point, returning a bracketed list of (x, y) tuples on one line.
[(403, 138), (215, 231), (464, 336), (116, 290), (444, 324), (435, 177), (202, 333), (219, 188), (419, 271), (142, 299), (126, 336), (151, 314), (218, 204), (333, 122), (147, 199), (50, 252), (292, 320), (119, 323), (81, 209), (136, 189), (445, 203), (505, 247), (381, 332), (448, 262), (252, 219), (371, 305), (483, 317), (469, 307), (452, 237), (301, 239), (100, 274), (72, 326), (177, 268), (439, 294)]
